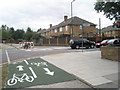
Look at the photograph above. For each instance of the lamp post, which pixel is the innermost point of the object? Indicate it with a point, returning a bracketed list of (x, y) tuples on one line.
[(82, 28), (71, 17), (71, 8)]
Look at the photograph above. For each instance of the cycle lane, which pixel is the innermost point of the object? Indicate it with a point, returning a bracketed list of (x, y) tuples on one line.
[(34, 72)]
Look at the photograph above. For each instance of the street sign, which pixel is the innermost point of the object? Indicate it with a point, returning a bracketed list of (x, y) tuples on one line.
[(34, 72)]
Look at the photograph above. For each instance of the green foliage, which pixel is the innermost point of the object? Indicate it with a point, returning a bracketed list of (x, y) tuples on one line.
[(10, 34), (19, 34), (29, 33), (103, 35), (37, 37), (5, 32), (111, 9)]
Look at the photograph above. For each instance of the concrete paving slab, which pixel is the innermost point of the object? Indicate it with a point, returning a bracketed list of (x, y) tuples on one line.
[(87, 66), (98, 81), (70, 84), (112, 77), (108, 85)]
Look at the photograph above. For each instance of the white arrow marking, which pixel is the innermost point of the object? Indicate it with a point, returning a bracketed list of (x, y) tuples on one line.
[(20, 67), (48, 71)]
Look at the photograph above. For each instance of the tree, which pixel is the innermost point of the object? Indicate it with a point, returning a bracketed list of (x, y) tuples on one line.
[(11, 32), (29, 33), (5, 32), (19, 34), (37, 37), (111, 9), (39, 30)]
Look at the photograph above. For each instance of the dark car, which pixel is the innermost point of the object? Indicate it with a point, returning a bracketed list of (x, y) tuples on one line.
[(115, 42), (76, 43), (103, 43)]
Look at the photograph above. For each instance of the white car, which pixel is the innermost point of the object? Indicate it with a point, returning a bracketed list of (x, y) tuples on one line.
[(114, 41)]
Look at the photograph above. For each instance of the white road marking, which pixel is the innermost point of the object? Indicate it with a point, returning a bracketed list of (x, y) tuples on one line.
[(35, 76), (26, 62), (8, 59), (48, 71), (20, 67), (28, 50)]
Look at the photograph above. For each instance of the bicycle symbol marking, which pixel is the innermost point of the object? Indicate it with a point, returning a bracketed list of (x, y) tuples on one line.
[(16, 78), (23, 77), (28, 78)]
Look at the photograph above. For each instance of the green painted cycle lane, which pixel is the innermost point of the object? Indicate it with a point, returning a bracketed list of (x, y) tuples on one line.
[(34, 72)]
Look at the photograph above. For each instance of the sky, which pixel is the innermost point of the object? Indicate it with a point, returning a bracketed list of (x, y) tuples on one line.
[(36, 14)]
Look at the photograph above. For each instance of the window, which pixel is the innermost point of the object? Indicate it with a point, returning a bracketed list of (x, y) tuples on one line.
[(55, 31), (106, 33), (60, 29), (66, 28), (81, 26), (113, 32)]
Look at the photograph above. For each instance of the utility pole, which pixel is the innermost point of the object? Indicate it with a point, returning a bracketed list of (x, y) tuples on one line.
[(72, 8), (100, 32), (71, 18)]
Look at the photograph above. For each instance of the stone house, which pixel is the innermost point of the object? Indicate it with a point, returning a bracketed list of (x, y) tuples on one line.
[(73, 27)]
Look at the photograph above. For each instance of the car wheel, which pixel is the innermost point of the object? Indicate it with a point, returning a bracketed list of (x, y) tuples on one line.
[(92, 46), (77, 46)]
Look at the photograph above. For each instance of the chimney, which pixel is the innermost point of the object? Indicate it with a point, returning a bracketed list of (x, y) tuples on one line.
[(50, 25), (65, 18)]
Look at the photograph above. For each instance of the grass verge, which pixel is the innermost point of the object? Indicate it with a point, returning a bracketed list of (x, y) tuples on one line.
[(4, 70)]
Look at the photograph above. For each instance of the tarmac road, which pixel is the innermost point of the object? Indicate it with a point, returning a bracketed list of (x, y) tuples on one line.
[(14, 54)]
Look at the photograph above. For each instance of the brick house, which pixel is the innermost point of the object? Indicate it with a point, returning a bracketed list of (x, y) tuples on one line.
[(111, 31), (72, 27)]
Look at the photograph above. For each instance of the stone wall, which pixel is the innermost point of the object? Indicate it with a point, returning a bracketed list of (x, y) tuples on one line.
[(111, 53)]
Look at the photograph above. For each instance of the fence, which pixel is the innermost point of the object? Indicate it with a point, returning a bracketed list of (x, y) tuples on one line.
[(64, 41), (55, 41)]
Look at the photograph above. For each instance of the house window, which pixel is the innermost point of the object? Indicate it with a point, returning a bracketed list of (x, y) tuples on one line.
[(66, 28), (81, 27), (60, 29), (55, 30), (113, 32), (47, 33), (106, 33)]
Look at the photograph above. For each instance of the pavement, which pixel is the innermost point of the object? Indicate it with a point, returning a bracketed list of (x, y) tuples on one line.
[(88, 67), (41, 48)]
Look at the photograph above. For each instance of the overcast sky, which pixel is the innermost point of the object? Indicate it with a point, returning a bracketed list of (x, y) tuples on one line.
[(40, 13)]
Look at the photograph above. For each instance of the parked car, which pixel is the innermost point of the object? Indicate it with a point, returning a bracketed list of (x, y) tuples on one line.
[(76, 43), (103, 43), (114, 42)]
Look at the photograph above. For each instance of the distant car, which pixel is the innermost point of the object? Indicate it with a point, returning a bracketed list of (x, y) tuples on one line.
[(103, 43), (114, 42), (98, 44), (76, 43)]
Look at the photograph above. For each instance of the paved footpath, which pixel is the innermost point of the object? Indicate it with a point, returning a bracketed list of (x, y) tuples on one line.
[(89, 67)]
